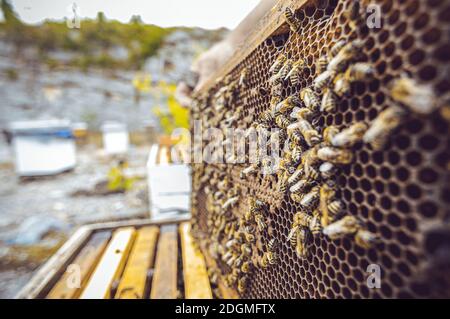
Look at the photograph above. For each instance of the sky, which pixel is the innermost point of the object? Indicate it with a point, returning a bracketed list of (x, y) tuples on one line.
[(209, 14)]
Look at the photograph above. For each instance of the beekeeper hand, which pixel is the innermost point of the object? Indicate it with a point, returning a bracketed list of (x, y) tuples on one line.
[(210, 61)]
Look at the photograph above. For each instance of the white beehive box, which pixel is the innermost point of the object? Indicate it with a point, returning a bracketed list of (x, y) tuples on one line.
[(115, 138), (42, 147), (169, 187)]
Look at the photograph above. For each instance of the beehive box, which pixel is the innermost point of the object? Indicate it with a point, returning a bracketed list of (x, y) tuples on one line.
[(136, 259), (398, 191)]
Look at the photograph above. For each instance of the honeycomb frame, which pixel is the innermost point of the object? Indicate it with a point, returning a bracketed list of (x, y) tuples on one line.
[(401, 192)]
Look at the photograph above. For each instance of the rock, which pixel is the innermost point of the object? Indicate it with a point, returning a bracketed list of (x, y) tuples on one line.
[(34, 228)]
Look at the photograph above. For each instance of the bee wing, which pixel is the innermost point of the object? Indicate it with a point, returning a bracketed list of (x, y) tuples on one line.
[(292, 233)]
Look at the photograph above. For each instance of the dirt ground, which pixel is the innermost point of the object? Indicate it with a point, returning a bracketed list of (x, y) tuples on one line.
[(37, 216)]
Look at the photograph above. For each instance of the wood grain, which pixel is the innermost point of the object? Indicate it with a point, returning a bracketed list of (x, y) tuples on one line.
[(196, 281), (164, 285), (133, 282), (110, 266), (86, 260)]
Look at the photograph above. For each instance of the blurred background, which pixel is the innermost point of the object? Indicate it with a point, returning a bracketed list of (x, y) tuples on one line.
[(86, 105)]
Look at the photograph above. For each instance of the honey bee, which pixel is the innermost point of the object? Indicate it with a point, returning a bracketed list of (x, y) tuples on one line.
[(382, 126), (329, 133), (303, 129), (339, 63), (231, 279), (262, 90), (272, 245), (296, 176), (250, 233), (352, 50), (294, 73), (353, 14), (310, 159), (295, 134), (277, 91), (269, 258), (231, 243), (296, 197), (296, 154), (336, 48), (349, 136), (305, 220), (335, 155), (229, 255), (256, 205), (322, 80), (276, 66), (287, 104), (301, 113), (321, 64), (243, 78), (260, 222), (329, 101), (327, 170), (276, 80), (311, 174), (327, 194), (283, 184), (291, 20), (282, 121), (419, 98), (242, 284), (348, 225), (246, 249), (248, 170), (359, 72), (300, 240), (335, 208), (365, 238), (246, 267), (310, 99), (267, 117), (310, 198), (341, 85), (299, 186), (285, 69)]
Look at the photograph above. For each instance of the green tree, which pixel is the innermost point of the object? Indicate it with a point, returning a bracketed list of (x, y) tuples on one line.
[(9, 14)]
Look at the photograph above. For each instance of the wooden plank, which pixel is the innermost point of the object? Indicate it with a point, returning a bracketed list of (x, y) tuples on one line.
[(139, 222), (110, 266), (273, 23), (133, 282), (49, 273), (196, 281), (164, 285), (86, 260), (55, 266)]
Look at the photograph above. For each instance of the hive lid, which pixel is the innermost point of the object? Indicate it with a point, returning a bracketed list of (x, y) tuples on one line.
[(113, 127), (39, 126)]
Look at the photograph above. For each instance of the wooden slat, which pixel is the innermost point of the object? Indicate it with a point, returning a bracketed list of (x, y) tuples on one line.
[(273, 23), (49, 273), (134, 278), (55, 266), (164, 285), (110, 266), (86, 260), (196, 281)]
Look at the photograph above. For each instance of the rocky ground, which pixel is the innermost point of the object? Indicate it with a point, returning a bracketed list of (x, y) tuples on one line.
[(37, 216)]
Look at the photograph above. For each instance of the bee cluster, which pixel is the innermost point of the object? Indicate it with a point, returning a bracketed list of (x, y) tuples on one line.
[(332, 203), (231, 237)]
